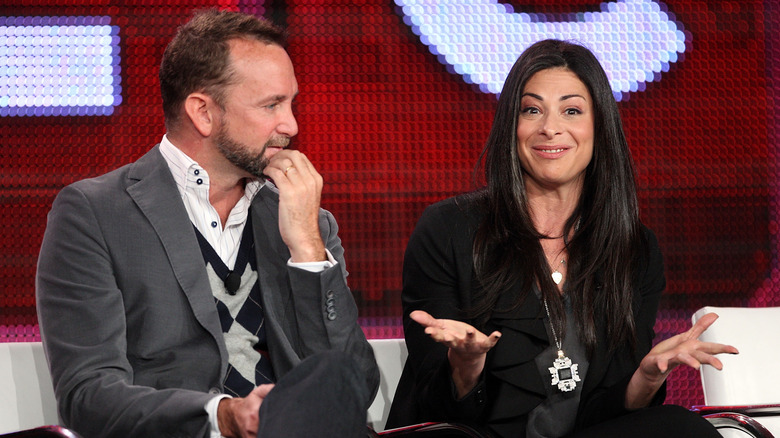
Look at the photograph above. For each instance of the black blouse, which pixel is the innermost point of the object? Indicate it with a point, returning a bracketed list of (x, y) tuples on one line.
[(438, 278)]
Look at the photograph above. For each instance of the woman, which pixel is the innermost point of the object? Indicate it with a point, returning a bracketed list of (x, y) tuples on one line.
[(529, 305)]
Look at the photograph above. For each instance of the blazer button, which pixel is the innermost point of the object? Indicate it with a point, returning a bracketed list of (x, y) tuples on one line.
[(332, 315), (330, 302), (329, 294), (215, 391)]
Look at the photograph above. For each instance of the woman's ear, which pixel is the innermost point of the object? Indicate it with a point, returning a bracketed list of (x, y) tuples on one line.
[(199, 108)]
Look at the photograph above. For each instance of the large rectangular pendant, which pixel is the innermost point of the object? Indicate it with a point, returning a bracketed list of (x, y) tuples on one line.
[(564, 373)]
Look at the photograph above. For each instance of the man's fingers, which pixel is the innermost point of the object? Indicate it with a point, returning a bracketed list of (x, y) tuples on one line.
[(262, 391), (287, 164), (293, 164), (302, 163)]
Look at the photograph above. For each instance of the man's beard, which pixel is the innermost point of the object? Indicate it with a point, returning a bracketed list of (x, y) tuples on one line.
[(241, 155)]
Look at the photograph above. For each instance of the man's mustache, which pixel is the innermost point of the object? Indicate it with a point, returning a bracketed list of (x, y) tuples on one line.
[(278, 142)]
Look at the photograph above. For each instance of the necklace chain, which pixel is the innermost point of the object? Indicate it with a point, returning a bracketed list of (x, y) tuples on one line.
[(558, 343), (557, 276)]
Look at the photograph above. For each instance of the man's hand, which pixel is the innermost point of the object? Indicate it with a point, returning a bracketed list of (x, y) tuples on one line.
[(300, 187), (238, 417)]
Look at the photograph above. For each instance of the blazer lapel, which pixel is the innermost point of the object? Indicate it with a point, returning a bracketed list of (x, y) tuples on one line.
[(153, 189), (512, 360), (272, 255)]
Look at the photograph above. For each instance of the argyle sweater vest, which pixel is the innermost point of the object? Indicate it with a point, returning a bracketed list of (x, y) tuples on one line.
[(241, 315)]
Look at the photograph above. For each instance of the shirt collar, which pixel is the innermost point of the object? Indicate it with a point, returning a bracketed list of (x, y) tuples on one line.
[(190, 176)]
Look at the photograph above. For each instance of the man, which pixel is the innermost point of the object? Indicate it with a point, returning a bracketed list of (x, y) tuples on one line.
[(201, 291)]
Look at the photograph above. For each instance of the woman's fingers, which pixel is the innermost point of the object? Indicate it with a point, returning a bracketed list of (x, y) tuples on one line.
[(423, 318), (715, 348), (493, 338), (703, 358), (693, 353), (454, 334), (701, 325)]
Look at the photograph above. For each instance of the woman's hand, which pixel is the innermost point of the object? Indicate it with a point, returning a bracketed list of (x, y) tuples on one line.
[(468, 347), (682, 349)]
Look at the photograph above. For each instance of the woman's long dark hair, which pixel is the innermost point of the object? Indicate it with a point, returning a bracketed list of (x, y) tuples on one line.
[(605, 228)]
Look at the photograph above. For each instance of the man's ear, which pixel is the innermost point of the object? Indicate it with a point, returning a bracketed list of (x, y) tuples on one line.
[(200, 109)]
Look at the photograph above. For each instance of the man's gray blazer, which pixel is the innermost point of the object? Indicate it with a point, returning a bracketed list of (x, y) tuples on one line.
[(127, 315)]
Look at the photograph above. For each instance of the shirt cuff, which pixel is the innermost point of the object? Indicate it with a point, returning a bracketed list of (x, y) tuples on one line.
[(211, 409), (315, 266)]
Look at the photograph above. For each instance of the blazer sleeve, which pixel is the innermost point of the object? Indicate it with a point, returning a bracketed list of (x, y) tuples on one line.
[(436, 279), (83, 323), (326, 313), (608, 400)]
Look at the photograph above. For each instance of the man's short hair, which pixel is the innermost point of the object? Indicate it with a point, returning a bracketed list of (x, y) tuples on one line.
[(198, 57)]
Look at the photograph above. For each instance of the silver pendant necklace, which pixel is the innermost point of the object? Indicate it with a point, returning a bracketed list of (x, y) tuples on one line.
[(557, 276), (563, 372)]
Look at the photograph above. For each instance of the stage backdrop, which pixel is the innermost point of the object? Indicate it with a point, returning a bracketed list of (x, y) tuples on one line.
[(396, 99)]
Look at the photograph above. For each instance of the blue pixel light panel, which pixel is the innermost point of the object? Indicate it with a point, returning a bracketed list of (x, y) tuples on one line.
[(59, 66), (635, 40)]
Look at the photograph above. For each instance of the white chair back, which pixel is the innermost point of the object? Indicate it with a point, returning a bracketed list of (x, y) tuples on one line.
[(750, 377), (26, 394), (390, 356)]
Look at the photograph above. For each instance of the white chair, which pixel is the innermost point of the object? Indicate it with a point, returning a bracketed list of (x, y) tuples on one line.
[(27, 398), (743, 400), (26, 394), (390, 356)]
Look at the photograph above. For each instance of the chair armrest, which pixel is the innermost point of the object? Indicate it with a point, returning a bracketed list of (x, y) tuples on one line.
[(434, 430), (42, 432), (739, 417), (751, 410)]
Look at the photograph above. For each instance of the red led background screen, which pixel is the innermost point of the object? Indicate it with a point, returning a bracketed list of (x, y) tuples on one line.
[(392, 129)]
